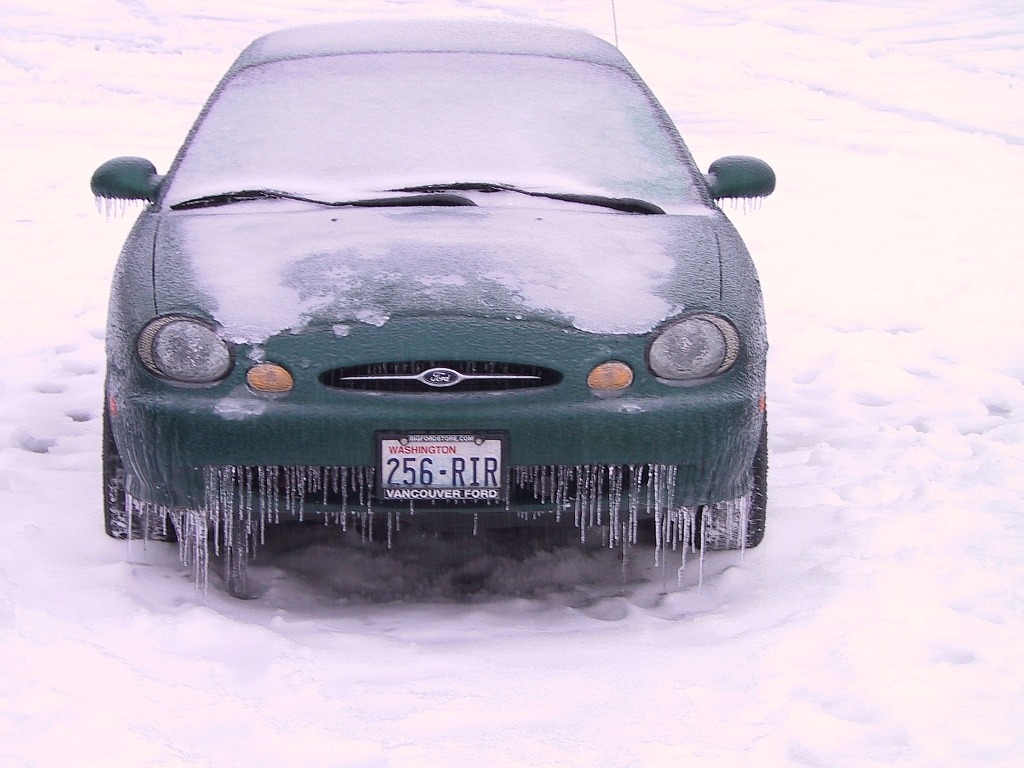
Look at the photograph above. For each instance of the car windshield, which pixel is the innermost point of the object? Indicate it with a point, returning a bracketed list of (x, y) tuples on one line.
[(341, 126)]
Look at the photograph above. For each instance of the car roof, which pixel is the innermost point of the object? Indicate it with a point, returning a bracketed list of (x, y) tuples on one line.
[(431, 35)]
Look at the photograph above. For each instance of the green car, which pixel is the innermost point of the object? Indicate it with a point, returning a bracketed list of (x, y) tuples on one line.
[(439, 272)]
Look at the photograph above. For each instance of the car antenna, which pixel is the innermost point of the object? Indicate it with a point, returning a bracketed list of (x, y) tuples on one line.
[(615, 25)]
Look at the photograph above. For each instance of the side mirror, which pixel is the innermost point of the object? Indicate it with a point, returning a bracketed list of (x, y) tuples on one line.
[(738, 176), (127, 178)]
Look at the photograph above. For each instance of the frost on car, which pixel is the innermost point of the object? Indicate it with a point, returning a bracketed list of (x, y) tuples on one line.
[(441, 272)]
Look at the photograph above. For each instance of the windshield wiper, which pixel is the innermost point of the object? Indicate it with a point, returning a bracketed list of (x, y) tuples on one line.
[(227, 198), (625, 204)]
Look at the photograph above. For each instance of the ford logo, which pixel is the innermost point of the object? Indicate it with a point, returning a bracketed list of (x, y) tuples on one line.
[(440, 377)]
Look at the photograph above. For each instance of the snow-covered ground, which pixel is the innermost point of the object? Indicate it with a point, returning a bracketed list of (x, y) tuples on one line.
[(880, 623)]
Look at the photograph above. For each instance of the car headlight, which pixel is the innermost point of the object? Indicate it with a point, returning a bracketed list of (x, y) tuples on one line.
[(184, 349), (695, 347)]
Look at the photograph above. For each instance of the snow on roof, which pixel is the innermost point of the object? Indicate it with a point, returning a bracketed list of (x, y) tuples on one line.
[(415, 35)]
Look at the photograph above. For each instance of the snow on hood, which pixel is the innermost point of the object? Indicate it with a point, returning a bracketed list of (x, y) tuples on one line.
[(278, 269)]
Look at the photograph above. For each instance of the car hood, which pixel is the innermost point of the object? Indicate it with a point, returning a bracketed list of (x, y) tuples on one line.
[(278, 268)]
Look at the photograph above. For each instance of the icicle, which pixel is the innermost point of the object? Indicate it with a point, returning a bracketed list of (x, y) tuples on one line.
[(654, 490), (744, 516), (254, 497), (274, 480), (615, 475), (209, 509), (193, 544), (113, 207), (559, 492), (578, 505), (227, 508), (634, 501), (703, 538), (344, 481), (291, 484), (367, 495), (262, 496), (593, 495), (688, 521), (128, 517)]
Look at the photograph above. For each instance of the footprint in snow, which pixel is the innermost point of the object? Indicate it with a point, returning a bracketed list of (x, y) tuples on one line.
[(78, 367), (954, 655), (997, 408), (49, 388), (872, 401), (25, 440)]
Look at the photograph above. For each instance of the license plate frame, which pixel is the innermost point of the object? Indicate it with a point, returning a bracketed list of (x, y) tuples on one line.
[(444, 466)]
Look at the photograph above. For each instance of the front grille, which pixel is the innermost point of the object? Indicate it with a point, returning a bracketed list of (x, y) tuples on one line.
[(440, 376)]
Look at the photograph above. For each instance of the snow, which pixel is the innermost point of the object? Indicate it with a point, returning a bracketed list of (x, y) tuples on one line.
[(880, 622), (338, 266), (477, 33), (346, 127)]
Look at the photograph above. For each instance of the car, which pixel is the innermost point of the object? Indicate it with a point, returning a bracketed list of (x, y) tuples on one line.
[(440, 273)]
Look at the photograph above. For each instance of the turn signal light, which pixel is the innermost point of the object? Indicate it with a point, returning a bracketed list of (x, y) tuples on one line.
[(610, 376), (269, 377)]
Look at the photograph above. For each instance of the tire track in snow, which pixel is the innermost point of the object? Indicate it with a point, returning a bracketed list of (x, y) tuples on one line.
[(915, 115)]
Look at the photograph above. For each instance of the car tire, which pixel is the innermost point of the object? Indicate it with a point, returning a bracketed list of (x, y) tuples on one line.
[(739, 523), (115, 514)]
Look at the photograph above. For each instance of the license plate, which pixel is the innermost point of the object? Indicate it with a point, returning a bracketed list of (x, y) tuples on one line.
[(441, 467)]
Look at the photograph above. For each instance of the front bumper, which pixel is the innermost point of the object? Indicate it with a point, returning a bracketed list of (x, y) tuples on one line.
[(169, 435)]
